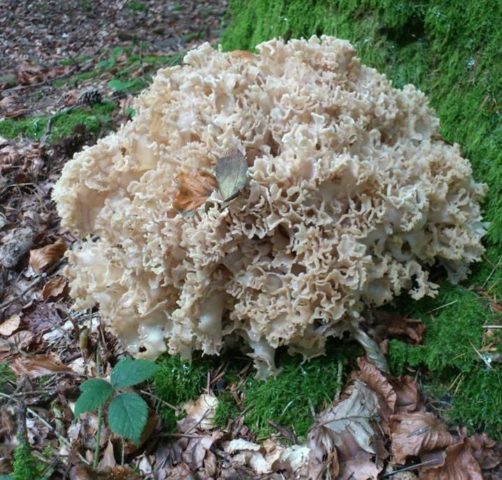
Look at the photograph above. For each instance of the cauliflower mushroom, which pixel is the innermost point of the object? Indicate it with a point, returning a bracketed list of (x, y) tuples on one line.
[(350, 195)]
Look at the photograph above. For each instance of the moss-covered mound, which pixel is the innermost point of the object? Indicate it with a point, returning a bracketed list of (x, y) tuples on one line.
[(450, 50)]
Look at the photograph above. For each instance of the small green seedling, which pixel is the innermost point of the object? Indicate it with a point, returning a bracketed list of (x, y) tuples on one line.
[(127, 411)]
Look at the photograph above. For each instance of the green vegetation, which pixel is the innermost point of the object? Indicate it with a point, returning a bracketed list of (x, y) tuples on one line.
[(95, 119), (226, 410), (293, 397), (452, 353), (288, 399), (136, 6), (25, 465), (6, 375), (452, 54), (127, 412)]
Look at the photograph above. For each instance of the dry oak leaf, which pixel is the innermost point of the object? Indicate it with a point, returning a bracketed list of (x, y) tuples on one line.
[(487, 452), (193, 190), (38, 366), (459, 464), (43, 258), (415, 433), (10, 325), (407, 394), (348, 426), (377, 381), (54, 287), (395, 325)]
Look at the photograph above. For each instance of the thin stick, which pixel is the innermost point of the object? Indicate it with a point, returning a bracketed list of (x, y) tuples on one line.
[(60, 437), (442, 306), (492, 326)]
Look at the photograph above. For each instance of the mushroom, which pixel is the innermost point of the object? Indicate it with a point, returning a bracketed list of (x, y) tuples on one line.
[(346, 197)]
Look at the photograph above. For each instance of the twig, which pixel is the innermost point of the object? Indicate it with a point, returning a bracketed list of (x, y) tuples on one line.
[(49, 426), (60, 437), (492, 326), (442, 306), (411, 467)]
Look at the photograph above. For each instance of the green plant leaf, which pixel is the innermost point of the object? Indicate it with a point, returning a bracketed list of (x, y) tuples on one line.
[(129, 372), (232, 174), (127, 415), (95, 393)]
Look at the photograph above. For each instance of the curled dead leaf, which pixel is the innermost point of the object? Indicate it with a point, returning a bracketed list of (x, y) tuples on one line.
[(459, 464), (232, 174), (391, 324), (10, 325), (377, 381), (407, 394), (43, 258), (193, 190), (54, 287), (200, 413), (38, 366), (415, 433), (486, 451)]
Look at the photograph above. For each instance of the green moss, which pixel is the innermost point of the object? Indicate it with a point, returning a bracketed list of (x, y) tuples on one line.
[(136, 6), (452, 54), (287, 399), (95, 119), (293, 397), (6, 375), (176, 382), (25, 464), (451, 350), (226, 410)]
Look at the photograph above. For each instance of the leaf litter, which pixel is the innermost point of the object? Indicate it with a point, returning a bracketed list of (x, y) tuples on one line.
[(380, 426)]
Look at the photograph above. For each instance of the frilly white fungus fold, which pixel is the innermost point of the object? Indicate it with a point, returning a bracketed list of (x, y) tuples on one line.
[(352, 196)]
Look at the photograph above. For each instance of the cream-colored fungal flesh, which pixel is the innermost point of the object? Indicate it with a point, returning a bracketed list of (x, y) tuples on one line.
[(352, 196)]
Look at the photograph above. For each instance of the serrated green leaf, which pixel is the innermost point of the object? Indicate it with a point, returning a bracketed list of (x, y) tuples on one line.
[(231, 172), (95, 393), (127, 415), (129, 372)]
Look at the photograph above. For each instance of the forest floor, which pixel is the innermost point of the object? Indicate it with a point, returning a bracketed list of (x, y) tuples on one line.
[(68, 75)]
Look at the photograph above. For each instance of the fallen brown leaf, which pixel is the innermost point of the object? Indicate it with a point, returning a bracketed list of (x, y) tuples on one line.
[(395, 325), (10, 325), (415, 433), (348, 426), (38, 366), (459, 464), (378, 382), (54, 287), (486, 451), (43, 258), (108, 458), (193, 190), (407, 394)]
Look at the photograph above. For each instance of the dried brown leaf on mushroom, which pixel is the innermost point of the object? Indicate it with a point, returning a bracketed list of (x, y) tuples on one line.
[(38, 365), (43, 258), (193, 190), (231, 172), (458, 463), (415, 433)]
